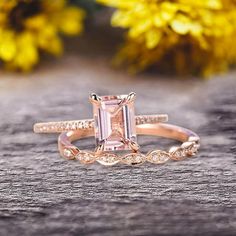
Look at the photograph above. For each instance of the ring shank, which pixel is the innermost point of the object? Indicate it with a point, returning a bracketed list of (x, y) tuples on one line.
[(166, 131), (62, 126), (159, 129)]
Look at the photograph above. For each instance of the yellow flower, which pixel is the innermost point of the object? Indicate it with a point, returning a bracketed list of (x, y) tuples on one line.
[(186, 36), (28, 27)]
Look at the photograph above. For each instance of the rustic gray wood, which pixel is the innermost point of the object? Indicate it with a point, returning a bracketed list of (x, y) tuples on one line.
[(43, 194)]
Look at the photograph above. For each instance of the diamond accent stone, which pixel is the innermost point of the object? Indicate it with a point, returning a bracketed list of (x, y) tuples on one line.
[(134, 159), (191, 148), (178, 154), (67, 153), (86, 157), (70, 152), (194, 149), (114, 122), (158, 157), (108, 159)]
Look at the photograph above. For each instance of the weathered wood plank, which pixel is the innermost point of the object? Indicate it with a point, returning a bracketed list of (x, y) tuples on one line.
[(42, 194)]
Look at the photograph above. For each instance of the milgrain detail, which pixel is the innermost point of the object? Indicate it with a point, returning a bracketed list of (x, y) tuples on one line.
[(187, 149), (61, 126)]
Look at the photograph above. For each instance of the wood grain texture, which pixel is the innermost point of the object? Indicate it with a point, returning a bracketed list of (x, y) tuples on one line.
[(42, 194)]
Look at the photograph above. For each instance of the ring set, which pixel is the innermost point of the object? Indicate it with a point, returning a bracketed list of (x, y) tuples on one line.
[(115, 128)]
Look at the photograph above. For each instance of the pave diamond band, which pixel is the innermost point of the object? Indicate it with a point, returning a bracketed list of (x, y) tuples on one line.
[(189, 147), (61, 126)]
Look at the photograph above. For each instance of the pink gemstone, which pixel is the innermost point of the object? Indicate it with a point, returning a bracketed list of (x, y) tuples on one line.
[(112, 126)]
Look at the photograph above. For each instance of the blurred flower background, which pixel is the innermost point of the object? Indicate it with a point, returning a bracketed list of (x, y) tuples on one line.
[(185, 36), (172, 36), (29, 27)]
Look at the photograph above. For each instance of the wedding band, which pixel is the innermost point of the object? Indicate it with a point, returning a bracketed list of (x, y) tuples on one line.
[(190, 145)]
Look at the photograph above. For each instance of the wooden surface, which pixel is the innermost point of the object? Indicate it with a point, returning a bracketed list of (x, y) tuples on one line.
[(43, 194)]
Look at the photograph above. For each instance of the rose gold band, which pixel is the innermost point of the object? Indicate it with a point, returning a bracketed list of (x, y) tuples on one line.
[(188, 148), (61, 126)]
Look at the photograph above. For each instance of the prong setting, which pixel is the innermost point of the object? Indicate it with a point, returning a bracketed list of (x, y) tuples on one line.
[(125, 101), (132, 144), (128, 99), (100, 148), (94, 98)]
